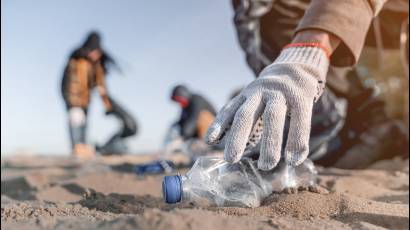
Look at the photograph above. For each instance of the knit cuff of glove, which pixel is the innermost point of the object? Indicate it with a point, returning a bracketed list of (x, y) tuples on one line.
[(313, 58)]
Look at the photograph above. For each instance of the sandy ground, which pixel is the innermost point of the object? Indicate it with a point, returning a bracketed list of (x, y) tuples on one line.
[(62, 193)]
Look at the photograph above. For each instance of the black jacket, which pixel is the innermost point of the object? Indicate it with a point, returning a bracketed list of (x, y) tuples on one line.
[(189, 116)]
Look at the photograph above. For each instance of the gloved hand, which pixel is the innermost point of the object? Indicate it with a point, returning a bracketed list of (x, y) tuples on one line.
[(288, 86)]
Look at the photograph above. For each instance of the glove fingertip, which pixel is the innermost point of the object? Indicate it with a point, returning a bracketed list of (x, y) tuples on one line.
[(266, 165), (213, 134), (295, 159), (231, 157)]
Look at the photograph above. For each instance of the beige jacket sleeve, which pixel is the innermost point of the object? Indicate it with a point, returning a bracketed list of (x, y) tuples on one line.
[(349, 20)]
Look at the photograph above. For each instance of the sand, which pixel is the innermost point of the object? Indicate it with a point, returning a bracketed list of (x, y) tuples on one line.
[(43, 192)]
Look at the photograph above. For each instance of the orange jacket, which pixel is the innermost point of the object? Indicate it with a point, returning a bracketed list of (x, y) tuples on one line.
[(80, 78)]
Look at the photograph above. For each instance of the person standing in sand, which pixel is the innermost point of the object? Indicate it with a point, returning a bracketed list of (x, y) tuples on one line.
[(86, 70), (293, 47)]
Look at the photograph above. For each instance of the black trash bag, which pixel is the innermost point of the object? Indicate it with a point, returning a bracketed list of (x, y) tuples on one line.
[(116, 144)]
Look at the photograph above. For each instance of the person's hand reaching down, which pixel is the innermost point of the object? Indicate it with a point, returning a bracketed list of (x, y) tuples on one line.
[(290, 85)]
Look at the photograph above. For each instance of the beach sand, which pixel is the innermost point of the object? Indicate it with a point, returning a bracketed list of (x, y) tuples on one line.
[(44, 192)]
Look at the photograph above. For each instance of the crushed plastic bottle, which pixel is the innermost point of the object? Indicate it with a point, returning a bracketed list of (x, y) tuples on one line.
[(286, 176), (214, 182)]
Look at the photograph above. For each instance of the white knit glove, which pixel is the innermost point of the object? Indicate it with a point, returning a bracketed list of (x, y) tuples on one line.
[(288, 86)]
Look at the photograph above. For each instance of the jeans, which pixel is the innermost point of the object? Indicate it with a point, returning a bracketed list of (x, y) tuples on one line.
[(77, 123)]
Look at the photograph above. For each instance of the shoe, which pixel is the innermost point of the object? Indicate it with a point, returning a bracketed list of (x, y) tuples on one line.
[(83, 151)]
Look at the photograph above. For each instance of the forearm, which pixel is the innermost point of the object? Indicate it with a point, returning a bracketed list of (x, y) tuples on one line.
[(348, 20), (188, 129), (102, 89), (105, 98)]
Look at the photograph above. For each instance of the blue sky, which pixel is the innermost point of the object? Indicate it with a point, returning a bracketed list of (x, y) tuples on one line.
[(157, 43)]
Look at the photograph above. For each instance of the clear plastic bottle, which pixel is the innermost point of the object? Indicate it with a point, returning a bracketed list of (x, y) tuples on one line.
[(214, 182)]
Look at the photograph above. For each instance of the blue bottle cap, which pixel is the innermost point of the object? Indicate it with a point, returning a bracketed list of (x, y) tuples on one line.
[(172, 189)]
